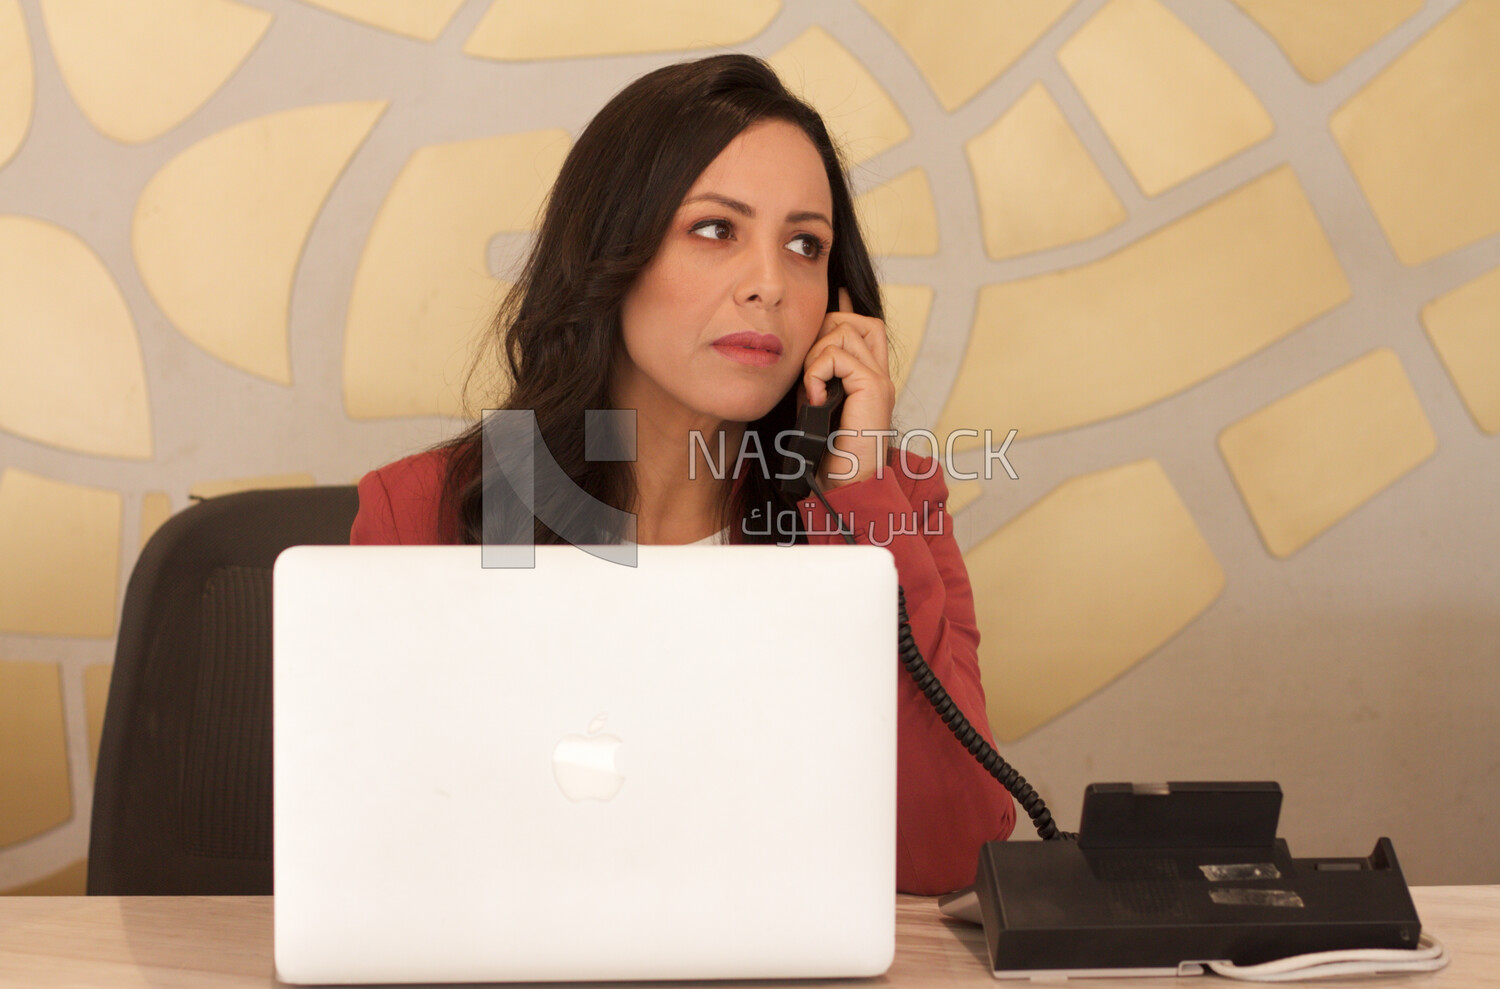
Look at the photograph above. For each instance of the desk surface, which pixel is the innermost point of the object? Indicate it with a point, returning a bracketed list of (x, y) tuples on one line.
[(226, 941)]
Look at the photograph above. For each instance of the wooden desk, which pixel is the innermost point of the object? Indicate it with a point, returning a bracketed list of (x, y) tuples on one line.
[(168, 941)]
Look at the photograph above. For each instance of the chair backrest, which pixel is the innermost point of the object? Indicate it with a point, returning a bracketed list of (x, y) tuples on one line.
[(182, 794)]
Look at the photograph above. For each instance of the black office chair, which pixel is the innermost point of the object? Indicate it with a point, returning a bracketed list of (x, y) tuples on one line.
[(182, 795)]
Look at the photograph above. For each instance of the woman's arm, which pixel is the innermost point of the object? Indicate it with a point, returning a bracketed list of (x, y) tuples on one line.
[(946, 804)]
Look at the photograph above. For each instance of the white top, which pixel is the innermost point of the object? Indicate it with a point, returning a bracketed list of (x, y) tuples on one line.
[(720, 538)]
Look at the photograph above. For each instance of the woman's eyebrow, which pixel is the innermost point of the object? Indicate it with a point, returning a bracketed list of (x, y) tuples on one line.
[(745, 209)]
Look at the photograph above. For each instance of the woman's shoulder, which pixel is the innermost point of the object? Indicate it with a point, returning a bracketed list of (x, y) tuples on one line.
[(920, 478), (420, 471), (402, 501), (913, 469), (908, 480)]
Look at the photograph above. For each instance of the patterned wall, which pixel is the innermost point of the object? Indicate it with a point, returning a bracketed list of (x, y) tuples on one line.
[(1230, 268)]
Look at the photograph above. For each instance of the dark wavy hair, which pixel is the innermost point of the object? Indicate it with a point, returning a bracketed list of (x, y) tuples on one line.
[(557, 333)]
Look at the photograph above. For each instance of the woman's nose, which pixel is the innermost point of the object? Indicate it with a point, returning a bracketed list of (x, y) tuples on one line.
[(762, 279)]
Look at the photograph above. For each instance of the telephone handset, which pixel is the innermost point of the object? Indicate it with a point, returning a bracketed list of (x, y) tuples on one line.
[(809, 441)]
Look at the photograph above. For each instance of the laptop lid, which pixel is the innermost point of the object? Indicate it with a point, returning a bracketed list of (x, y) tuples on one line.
[(583, 770)]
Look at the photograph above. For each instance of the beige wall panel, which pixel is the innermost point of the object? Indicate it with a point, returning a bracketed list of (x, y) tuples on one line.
[(1038, 187), (1423, 137), (17, 80), (219, 230), (962, 494), (95, 696), (423, 294), (898, 218), (860, 115), (1465, 328), (1170, 105), (1093, 578), (138, 68), (59, 556), (71, 373), (420, 19), (215, 489), (156, 508), (906, 310), (1322, 36), (1071, 347), (524, 29), (68, 881), (1308, 460), (961, 46), (34, 790)]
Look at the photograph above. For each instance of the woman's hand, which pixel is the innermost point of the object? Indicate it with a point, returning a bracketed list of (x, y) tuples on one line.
[(853, 349)]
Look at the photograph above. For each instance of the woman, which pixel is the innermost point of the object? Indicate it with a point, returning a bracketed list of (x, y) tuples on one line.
[(697, 237)]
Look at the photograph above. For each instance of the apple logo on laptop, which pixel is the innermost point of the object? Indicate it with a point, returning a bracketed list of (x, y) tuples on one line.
[(585, 764)]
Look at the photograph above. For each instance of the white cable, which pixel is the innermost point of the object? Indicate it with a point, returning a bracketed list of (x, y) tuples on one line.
[(1428, 956)]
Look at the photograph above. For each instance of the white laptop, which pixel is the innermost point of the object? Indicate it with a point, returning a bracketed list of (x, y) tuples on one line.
[(683, 769)]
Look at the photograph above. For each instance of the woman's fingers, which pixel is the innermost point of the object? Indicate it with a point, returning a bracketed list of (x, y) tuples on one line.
[(869, 329), (849, 340)]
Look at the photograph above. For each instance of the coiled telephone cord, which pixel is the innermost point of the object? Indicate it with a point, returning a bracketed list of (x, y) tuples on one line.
[(968, 736)]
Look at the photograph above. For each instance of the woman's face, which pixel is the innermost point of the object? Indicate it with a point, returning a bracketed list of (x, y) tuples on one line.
[(717, 325)]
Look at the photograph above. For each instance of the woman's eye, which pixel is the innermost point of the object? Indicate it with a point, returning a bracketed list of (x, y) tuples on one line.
[(815, 246), (714, 227)]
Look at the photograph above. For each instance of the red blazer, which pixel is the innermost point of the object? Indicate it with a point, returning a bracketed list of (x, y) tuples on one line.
[(946, 804)]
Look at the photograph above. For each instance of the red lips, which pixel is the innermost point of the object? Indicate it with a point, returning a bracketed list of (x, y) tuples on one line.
[(750, 341)]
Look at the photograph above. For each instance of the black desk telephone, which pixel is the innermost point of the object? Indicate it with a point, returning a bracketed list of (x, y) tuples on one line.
[(1160, 878)]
